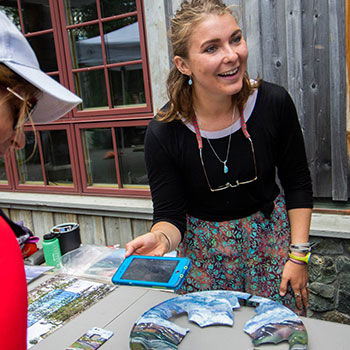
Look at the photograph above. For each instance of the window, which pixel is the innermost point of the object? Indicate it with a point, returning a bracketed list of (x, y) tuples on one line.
[(96, 48), (113, 156), (46, 160), (106, 54), (3, 177)]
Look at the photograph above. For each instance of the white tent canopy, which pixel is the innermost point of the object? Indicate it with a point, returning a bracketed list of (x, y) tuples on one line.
[(121, 45)]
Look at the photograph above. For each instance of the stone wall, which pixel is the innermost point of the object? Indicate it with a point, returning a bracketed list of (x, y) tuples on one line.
[(329, 278)]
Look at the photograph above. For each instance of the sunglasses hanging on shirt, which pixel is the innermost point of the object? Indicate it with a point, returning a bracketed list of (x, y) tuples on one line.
[(200, 147)]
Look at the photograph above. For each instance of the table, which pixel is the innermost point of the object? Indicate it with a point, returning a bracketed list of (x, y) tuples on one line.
[(119, 310)]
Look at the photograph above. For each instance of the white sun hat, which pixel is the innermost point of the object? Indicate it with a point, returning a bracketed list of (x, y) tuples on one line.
[(16, 53)]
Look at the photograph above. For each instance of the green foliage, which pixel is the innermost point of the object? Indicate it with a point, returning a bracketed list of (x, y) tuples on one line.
[(12, 13)]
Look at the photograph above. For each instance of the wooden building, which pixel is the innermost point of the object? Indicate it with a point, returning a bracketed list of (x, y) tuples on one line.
[(115, 55)]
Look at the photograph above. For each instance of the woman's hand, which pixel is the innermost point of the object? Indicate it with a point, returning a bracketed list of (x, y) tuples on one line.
[(163, 238), (297, 276), (151, 243)]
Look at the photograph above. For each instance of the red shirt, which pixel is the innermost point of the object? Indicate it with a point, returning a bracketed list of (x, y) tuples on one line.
[(13, 292)]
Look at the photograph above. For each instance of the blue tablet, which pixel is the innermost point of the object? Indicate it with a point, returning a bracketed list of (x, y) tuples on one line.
[(152, 271)]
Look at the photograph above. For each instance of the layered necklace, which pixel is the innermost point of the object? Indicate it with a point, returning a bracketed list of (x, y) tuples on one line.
[(224, 162)]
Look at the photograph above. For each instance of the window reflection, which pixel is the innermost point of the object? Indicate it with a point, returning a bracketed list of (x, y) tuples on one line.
[(56, 77), (99, 158), (86, 49), (122, 40), (91, 87), (57, 163), (127, 86), (44, 47), (78, 11), (28, 161), (112, 7), (3, 177), (36, 15), (9, 7), (132, 168)]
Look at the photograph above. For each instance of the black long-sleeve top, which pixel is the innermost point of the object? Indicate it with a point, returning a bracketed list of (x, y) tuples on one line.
[(176, 175)]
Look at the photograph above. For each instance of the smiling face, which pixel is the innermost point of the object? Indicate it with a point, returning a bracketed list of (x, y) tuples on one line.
[(217, 58), (8, 137)]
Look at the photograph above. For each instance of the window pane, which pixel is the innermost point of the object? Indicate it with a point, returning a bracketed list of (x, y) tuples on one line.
[(132, 167), (113, 7), (45, 51), (28, 162), (127, 86), (36, 15), (122, 40), (78, 11), (86, 49), (9, 7), (3, 177), (91, 87), (99, 157), (56, 77), (58, 167)]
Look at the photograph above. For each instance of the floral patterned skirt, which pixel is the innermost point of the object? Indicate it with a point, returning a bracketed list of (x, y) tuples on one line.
[(246, 254)]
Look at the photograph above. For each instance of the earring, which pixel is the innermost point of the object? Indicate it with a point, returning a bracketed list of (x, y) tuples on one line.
[(190, 82)]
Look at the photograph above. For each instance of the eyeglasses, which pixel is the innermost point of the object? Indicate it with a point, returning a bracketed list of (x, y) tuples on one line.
[(30, 105), (200, 147)]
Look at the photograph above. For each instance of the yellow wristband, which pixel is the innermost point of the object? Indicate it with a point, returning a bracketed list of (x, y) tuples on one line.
[(305, 258)]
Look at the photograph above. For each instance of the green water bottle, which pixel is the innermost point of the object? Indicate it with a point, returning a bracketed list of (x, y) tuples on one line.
[(52, 251)]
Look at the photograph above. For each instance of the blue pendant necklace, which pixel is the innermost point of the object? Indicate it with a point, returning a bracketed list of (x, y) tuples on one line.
[(224, 162)]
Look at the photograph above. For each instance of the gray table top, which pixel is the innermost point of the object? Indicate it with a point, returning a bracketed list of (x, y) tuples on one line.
[(119, 310)]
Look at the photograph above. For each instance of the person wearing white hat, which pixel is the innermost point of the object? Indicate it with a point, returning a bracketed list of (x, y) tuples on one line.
[(26, 93)]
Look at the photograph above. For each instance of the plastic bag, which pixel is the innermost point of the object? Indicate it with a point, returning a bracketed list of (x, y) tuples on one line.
[(92, 262)]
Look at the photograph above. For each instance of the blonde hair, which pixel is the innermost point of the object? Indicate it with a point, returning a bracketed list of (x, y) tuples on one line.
[(10, 79), (27, 91), (190, 14)]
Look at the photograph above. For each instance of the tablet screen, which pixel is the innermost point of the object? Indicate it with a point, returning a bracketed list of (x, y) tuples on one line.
[(150, 270)]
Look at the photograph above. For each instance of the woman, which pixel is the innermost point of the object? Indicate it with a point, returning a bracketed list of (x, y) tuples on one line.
[(211, 158), (26, 93)]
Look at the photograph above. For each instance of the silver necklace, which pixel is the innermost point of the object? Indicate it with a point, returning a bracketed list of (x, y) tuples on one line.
[(224, 162)]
